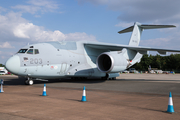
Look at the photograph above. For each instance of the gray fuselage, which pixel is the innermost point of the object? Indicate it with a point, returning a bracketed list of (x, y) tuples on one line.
[(58, 60)]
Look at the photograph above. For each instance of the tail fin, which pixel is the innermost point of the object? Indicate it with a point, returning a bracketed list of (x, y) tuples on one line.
[(137, 30)]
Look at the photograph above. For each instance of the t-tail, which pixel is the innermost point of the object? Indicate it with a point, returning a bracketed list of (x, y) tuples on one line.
[(137, 29)]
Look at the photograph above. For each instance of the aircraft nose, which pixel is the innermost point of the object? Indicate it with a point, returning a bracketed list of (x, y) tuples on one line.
[(13, 64)]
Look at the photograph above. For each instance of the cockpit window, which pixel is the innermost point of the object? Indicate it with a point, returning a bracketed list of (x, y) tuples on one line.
[(30, 51), (22, 50), (36, 51)]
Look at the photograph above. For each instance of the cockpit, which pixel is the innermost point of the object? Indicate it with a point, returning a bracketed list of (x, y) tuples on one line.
[(29, 51)]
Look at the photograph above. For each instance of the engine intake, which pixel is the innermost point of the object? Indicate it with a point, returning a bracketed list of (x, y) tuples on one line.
[(111, 62)]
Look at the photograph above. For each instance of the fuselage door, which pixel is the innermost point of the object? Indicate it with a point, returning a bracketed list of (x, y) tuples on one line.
[(63, 68)]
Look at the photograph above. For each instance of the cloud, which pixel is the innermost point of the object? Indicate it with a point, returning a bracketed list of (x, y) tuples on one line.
[(142, 10), (5, 45), (8, 23), (147, 12), (2, 9), (80, 36), (166, 43), (43, 36), (155, 42), (124, 24), (14, 27), (22, 29), (44, 3), (27, 8), (33, 32), (95, 2), (34, 6), (4, 55)]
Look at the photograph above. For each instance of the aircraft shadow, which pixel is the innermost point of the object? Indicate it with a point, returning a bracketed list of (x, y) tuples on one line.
[(16, 81), (144, 80)]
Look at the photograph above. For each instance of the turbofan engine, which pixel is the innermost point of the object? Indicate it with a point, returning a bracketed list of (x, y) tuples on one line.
[(111, 62)]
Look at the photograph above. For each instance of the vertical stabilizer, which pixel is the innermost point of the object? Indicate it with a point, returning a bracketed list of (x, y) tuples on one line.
[(136, 34)]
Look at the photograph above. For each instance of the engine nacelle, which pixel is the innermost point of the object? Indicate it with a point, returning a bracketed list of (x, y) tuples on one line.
[(111, 62)]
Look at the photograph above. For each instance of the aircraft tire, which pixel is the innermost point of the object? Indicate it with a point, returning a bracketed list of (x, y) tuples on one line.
[(29, 82)]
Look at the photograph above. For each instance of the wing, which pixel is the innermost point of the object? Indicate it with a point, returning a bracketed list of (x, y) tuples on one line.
[(118, 47)]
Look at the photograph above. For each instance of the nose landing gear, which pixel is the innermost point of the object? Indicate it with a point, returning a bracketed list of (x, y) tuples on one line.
[(29, 81)]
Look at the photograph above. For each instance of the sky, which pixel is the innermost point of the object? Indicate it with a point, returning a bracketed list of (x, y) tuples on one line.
[(34, 21)]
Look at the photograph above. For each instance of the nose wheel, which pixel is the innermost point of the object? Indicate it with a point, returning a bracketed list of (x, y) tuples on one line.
[(29, 82)]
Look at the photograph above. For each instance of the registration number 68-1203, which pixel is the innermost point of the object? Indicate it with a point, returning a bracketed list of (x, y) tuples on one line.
[(35, 61)]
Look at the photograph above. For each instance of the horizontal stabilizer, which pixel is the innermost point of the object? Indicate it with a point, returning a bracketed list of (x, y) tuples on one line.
[(130, 29)]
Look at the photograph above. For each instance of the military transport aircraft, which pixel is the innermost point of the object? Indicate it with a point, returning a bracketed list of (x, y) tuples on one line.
[(80, 59)]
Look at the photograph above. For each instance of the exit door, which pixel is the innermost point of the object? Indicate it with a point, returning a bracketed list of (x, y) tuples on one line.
[(63, 68)]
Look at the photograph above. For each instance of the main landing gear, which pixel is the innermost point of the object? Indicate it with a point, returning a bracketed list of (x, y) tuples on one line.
[(108, 78)]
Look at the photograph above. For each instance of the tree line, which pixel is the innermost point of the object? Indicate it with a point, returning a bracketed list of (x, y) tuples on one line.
[(1, 65), (165, 63)]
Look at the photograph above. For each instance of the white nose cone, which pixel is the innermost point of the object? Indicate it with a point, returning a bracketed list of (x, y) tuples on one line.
[(13, 64)]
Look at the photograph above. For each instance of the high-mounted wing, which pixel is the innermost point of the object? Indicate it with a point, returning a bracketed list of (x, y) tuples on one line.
[(118, 47)]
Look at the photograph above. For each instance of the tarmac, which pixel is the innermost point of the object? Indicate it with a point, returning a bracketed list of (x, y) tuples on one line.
[(131, 96)]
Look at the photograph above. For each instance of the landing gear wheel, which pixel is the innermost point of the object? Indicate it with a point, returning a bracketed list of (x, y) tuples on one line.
[(105, 78), (29, 82)]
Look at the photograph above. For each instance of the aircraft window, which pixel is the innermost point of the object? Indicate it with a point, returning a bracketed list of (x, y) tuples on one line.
[(30, 51), (25, 59), (36, 51), (22, 50)]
